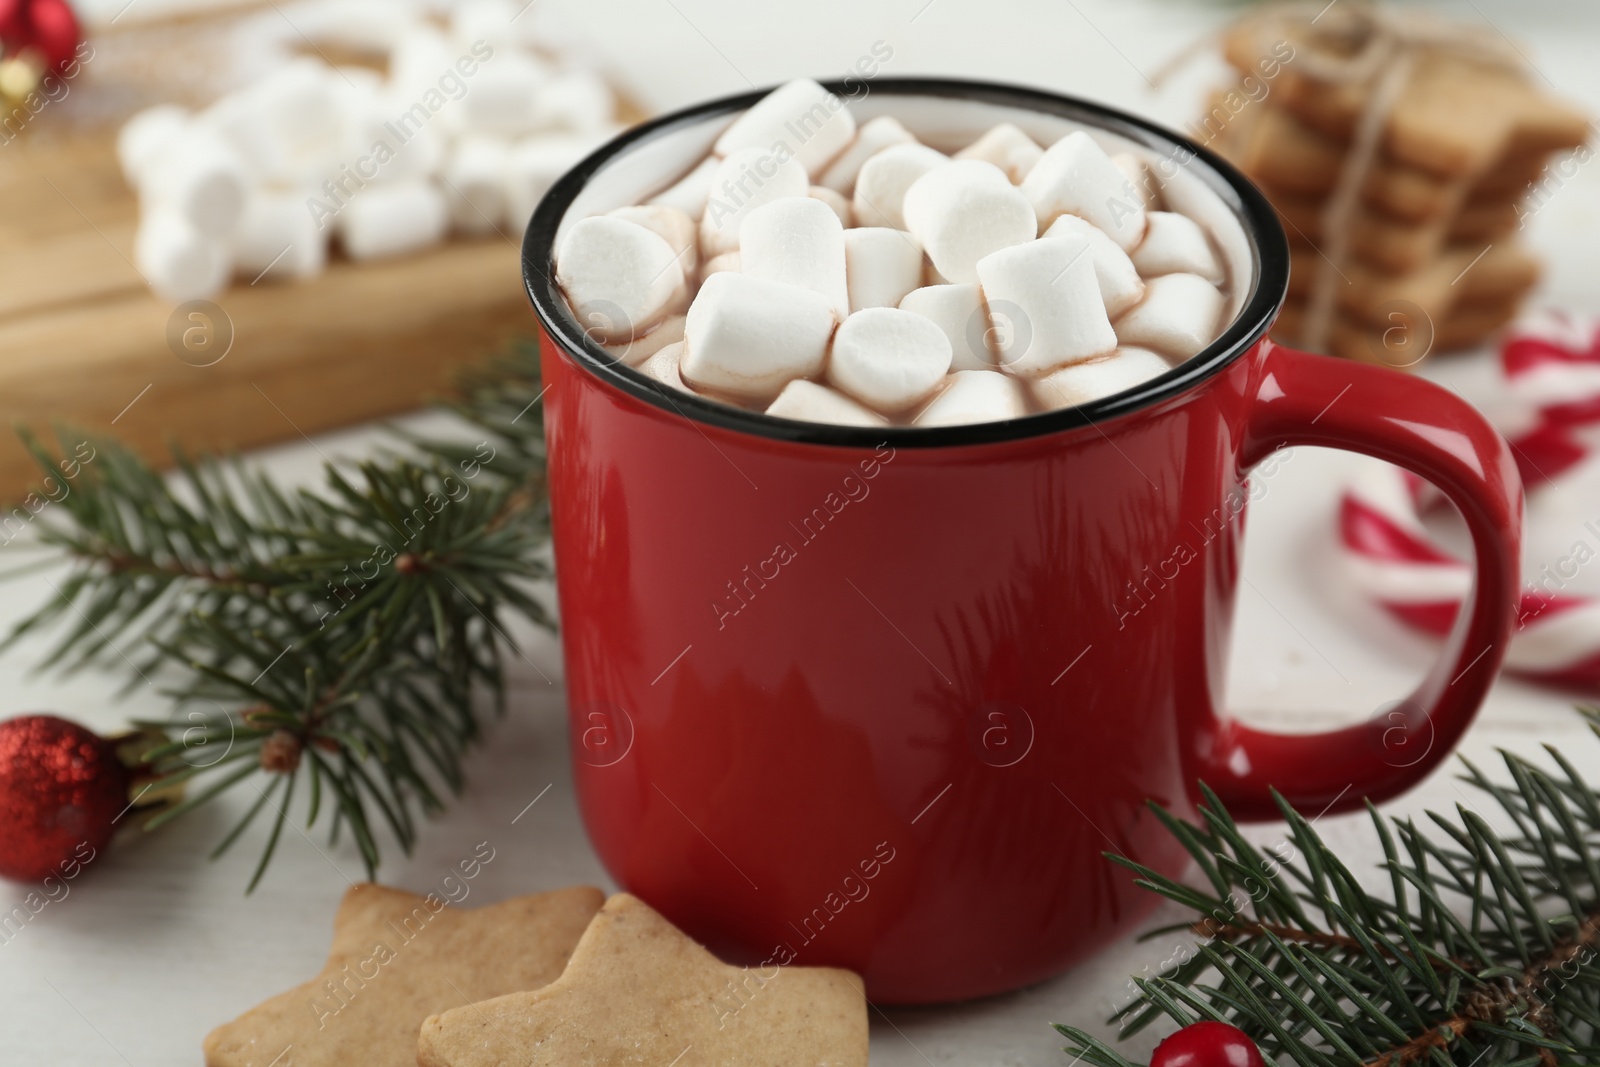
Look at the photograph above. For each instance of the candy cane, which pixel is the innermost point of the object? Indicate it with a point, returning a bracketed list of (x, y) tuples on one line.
[(1551, 365)]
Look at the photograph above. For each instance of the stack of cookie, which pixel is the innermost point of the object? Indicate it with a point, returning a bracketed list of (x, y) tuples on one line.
[(1400, 155)]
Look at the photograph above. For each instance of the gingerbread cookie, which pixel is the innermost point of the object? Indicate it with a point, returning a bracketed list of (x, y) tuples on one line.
[(397, 958), (1403, 337), (1279, 151), (1397, 149), (1390, 244), (1466, 104), (638, 991), (1461, 276)]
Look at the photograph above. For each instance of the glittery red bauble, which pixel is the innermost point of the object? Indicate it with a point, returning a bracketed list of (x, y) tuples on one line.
[(1208, 1044), (13, 24), (46, 27), (55, 31), (61, 787)]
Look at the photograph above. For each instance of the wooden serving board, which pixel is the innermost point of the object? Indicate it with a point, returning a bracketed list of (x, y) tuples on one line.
[(83, 342)]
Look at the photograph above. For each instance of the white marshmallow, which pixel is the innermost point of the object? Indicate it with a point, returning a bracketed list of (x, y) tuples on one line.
[(502, 97), (809, 402), (578, 100), (1076, 177), (277, 238), (728, 261), (393, 219), (797, 241), (1045, 301), (975, 396), (1120, 284), (663, 366), (294, 127), (746, 179), (1138, 174), (881, 266), (475, 184), (1008, 148), (370, 27), (889, 359), (636, 352), (415, 148), (1084, 382), (177, 260), (145, 136), (548, 28), (619, 278), (873, 137), (419, 57), (534, 166), (1178, 317), (674, 227), (811, 122), (747, 337), (490, 21), (232, 117), (688, 194), (201, 177), (367, 111), (882, 183), (835, 201), (963, 211), (1175, 244), (959, 311)]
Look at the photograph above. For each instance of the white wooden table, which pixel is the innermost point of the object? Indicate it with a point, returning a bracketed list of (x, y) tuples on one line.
[(154, 946)]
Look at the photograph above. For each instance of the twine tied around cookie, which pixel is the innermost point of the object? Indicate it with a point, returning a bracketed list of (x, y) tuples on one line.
[(1359, 43)]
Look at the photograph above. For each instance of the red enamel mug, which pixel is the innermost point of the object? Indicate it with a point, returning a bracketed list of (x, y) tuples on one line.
[(881, 699)]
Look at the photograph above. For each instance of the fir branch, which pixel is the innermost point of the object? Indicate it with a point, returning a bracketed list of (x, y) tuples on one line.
[(1480, 953), (326, 648)]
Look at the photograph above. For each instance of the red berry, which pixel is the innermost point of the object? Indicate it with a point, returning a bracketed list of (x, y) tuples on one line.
[(54, 32), (1208, 1044), (61, 790)]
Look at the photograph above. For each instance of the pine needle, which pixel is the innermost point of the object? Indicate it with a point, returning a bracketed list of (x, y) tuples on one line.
[(1485, 951), (356, 626)]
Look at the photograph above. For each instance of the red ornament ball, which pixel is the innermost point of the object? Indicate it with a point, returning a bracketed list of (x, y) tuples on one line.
[(61, 788), (55, 32), (47, 27), (1208, 1044), (13, 21)]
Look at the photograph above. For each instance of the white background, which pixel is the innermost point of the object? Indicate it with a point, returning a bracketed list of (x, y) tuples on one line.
[(155, 945)]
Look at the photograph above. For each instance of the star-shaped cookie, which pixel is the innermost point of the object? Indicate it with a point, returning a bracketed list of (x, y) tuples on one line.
[(639, 991), (396, 959)]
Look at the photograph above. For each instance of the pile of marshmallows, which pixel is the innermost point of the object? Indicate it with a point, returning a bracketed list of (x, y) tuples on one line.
[(862, 278), (468, 130)]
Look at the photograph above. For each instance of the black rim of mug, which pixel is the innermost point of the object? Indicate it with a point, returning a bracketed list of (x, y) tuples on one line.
[(1262, 230)]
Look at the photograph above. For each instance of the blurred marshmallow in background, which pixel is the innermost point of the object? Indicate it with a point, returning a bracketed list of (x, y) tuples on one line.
[(450, 119), (278, 239)]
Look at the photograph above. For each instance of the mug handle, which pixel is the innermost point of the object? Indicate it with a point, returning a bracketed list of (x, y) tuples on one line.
[(1303, 399)]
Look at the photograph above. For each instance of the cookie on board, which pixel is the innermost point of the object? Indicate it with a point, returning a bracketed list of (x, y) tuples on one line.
[(639, 991), (397, 958)]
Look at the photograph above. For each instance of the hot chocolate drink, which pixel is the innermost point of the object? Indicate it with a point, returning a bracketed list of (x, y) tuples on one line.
[(818, 270)]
